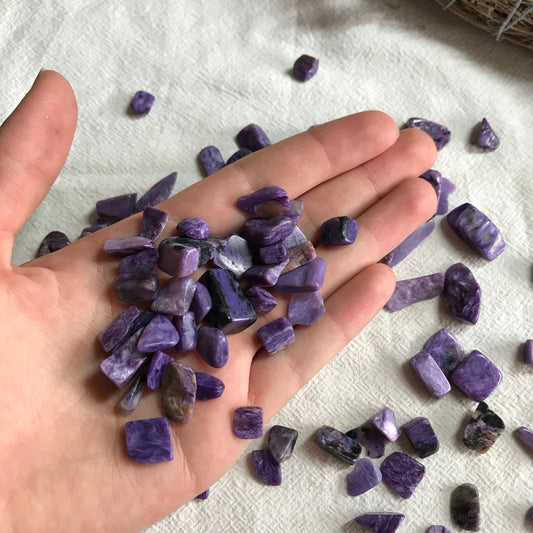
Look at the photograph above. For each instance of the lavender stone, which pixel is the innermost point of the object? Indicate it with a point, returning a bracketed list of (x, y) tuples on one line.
[(338, 231), (338, 444), (194, 228), (306, 308), (486, 137), (261, 300), (528, 352), (385, 422), (439, 133), (422, 437), (464, 507), (274, 253), (117, 207), (239, 154), (296, 237), (437, 529), (122, 246), (365, 476), (143, 261), (525, 435), (264, 275), (265, 231), (142, 102), (178, 391), (148, 441), (446, 188), (305, 67), (410, 291), (175, 297), (249, 202), (446, 350), (153, 223), (159, 192), (212, 345), (371, 438), (158, 363), (380, 522), (132, 398), (307, 278), (410, 243), (430, 373), (402, 473), (117, 331), (266, 467), (208, 387), (201, 302), (248, 422), (211, 159), (54, 241), (176, 259), (253, 138), (461, 294), (299, 255), (276, 335), (234, 255), (186, 327), (476, 376), (477, 231), (281, 441), (483, 429), (159, 334)]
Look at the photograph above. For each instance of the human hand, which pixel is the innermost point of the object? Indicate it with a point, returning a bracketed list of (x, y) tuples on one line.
[(62, 447)]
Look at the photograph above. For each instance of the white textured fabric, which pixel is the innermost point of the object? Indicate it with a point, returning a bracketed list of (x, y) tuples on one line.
[(218, 65)]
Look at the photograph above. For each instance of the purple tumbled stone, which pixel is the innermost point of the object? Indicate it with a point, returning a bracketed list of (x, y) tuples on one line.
[(410, 291), (148, 441), (446, 188), (272, 208), (178, 391), (483, 429), (299, 255), (265, 231), (201, 302), (158, 193), (138, 287), (305, 308), (525, 435), (142, 102), (465, 508), (296, 237), (208, 387), (338, 231), (203, 495), (276, 335), (461, 294), (365, 476), (176, 259), (266, 467), (431, 374), (143, 261), (211, 159), (248, 422), (446, 350), (239, 154), (261, 300), (410, 243), (281, 441), (194, 228), (159, 334), (402, 473), (212, 345), (93, 228), (305, 67), (274, 253), (175, 297), (141, 321), (117, 331), (439, 133), (437, 529), (249, 202), (477, 231), (385, 421), (132, 398), (486, 137), (122, 246), (117, 207), (54, 241), (264, 275), (371, 438), (158, 363), (422, 437), (528, 352), (253, 138), (476, 376), (338, 444), (234, 254), (380, 522), (153, 223), (186, 327), (307, 278)]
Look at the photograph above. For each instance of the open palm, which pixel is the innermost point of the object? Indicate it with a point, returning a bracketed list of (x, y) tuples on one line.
[(62, 444)]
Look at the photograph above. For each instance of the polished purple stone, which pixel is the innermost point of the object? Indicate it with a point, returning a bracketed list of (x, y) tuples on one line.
[(402, 473), (338, 444), (143, 261), (305, 67), (365, 476), (178, 391), (212, 345), (281, 441), (117, 331), (186, 327), (132, 398), (274, 253), (176, 259), (239, 154), (410, 291), (54, 241), (141, 321), (371, 438), (422, 437), (446, 188), (439, 133), (201, 302), (437, 529), (431, 374), (158, 363), (261, 300), (93, 228), (153, 223), (299, 255), (122, 246), (137, 287), (307, 278), (276, 335), (203, 495), (159, 334), (305, 308), (248, 422), (158, 193), (525, 435), (208, 387), (338, 231), (410, 243), (446, 350), (148, 441), (194, 228), (253, 138), (476, 376), (483, 429), (272, 208), (175, 297), (266, 467), (234, 254), (296, 237), (249, 202), (385, 421), (265, 231), (461, 294), (231, 310), (465, 508), (264, 275), (117, 207), (528, 352), (380, 522), (142, 102), (477, 231), (486, 137), (211, 159)]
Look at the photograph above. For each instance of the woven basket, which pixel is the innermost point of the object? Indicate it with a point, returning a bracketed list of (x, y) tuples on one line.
[(495, 17)]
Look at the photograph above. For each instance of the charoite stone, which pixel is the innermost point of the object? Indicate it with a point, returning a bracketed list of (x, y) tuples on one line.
[(239, 154), (132, 398), (248, 422), (446, 188), (249, 202), (305, 67), (265, 231), (296, 237), (158, 193), (153, 223), (528, 352), (439, 133), (402, 473), (178, 391), (137, 287), (385, 421), (276, 335), (437, 529), (380, 522), (477, 231), (272, 208), (365, 476), (194, 228), (175, 297), (410, 291), (186, 327), (430, 373), (433, 177), (159, 334), (422, 437), (142, 321), (338, 444), (117, 207), (465, 508), (461, 294), (526, 436), (305, 308), (411, 242), (158, 363), (261, 300), (446, 350), (299, 255), (371, 438), (201, 302), (486, 137), (54, 241), (338, 231), (122, 246), (253, 137), (177, 259), (148, 441), (212, 345), (483, 429), (208, 387), (274, 253), (307, 278), (143, 261), (234, 254), (281, 441), (142, 102), (211, 159), (264, 275), (266, 467), (203, 495), (93, 228), (117, 331)]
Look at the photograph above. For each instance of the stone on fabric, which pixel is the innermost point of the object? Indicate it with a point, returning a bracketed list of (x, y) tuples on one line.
[(93, 228), (231, 310), (132, 398), (117, 331), (266, 467), (153, 223), (234, 255), (476, 376), (431, 374), (248, 422), (117, 207), (446, 350), (338, 231), (296, 237), (178, 260), (265, 231), (439, 133), (194, 228), (158, 363), (274, 253), (123, 246), (525, 435), (158, 193), (203, 495), (338, 444), (201, 302), (483, 429), (239, 154), (402, 473), (276, 335), (371, 438), (253, 138), (261, 300), (385, 421), (264, 275), (380, 522), (305, 308), (281, 441), (142, 102), (211, 159), (465, 508), (143, 261), (477, 231), (148, 441), (528, 352), (299, 255), (410, 291), (486, 137), (178, 391), (422, 437), (249, 202), (461, 294), (446, 188), (365, 476), (307, 278), (186, 327), (410, 243), (175, 297), (437, 529), (54, 241), (305, 67), (212, 345), (159, 334), (208, 387)]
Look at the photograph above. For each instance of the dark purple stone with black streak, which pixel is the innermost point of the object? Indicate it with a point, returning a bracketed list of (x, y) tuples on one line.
[(265, 231), (54, 241), (248, 422), (483, 429), (159, 334), (411, 242), (477, 231), (194, 228), (461, 294), (158, 193), (307, 278), (439, 133), (211, 159), (239, 154), (465, 508), (148, 441), (410, 291), (117, 207), (486, 137), (339, 231), (446, 350), (231, 310), (262, 300), (274, 253), (175, 297), (137, 287), (203, 495), (153, 223), (264, 275), (132, 398), (186, 327), (117, 331), (253, 138), (250, 202), (208, 387), (123, 246), (305, 67), (266, 467), (142, 102), (380, 522), (178, 391), (371, 438), (281, 441), (402, 473), (212, 345), (422, 437), (276, 335), (158, 363), (338, 444), (143, 261), (365, 476)]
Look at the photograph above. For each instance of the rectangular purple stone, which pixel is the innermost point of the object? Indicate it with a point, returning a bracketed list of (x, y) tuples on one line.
[(118, 329), (148, 441), (410, 291), (430, 373), (410, 243)]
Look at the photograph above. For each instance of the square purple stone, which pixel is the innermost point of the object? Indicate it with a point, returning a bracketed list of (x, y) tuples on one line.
[(248, 422), (148, 441), (402, 473)]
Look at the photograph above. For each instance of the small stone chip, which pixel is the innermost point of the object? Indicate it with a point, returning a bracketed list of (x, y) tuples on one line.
[(486, 137), (178, 391), (137, 287), (410, 243), (371, 438), (338, 444), (526, 436), (339, 231), (446, 350), (117, 207), (365, 476), (461, 294), (250, 202), (266, 467), (148, 441), (483, 429), (123, 246), (158, 363), (159, 334), (528, 352), (380, 522), (194, 228), (306, 278), (430, 373), (437, 529), (201, 302), (157, 193), (465, 508), (261, 300), (54, 241), (276, 335), (239, 154), (203, 495), (248, 422), (402, 473), (132, 398), (306, 308), (142, 102), (281, 441), (186, 327), (143, 261), (305, 67), (211, 159), (175, 297), (208, 387), (385, 421), (410, 291), (153, 223), (212, 345), (439, 133), (253, 138), (422, 437), (117, 331)]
